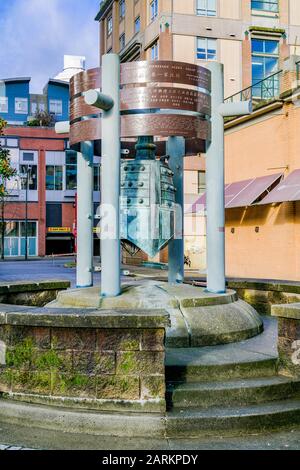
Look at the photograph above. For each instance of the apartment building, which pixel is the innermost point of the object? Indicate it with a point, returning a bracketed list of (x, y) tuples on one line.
[(46, 180), (252, 39)]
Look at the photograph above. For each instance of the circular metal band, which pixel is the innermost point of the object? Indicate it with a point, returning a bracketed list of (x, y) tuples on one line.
[(160, 71), (150, 98), (162, 125), (139, 103)]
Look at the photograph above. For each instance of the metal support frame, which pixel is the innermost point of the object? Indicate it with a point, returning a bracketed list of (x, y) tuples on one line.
[(176, 151), (215, 198), (110, 179), (85, 215)]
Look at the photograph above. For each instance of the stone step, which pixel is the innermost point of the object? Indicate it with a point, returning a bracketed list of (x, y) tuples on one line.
[(233, 420), (232, 392), (217, 363)]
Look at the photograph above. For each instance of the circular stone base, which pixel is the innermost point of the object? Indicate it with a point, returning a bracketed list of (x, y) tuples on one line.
[(198, 318)]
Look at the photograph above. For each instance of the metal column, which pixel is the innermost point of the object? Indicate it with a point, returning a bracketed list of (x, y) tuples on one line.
[(110, 180), (85, 215), (176, 151), (215, 201)]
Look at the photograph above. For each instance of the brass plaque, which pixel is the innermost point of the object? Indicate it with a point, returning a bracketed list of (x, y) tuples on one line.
[(85, 81), (159, 125), (163, 71), (165, 98), (164, 125)]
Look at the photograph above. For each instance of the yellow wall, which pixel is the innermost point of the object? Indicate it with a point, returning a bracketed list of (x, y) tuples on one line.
[(257, 149), (185, 7), (184, 48), (295, 12), (230, 53), (230, 9)]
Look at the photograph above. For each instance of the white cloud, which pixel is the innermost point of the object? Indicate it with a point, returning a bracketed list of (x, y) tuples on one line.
[(35, 34)]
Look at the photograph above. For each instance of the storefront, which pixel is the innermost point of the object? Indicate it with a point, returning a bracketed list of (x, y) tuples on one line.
[(15, 238), (60, 241)]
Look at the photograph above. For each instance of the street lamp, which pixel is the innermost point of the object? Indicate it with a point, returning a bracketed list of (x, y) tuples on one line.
[(25, 178)]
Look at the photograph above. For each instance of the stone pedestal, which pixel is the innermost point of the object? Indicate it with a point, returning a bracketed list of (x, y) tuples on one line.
[(102, 360), (288, 338)]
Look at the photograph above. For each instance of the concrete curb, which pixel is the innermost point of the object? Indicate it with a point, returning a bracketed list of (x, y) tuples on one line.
[(87, 422)]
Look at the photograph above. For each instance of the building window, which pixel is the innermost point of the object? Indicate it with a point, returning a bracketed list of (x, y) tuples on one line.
[(3, 104), (13, 143), (14, 240), (97, 177), (37, 107), (109, 25), (153, 9), (201, 182), (122, 9), (54, 178), (137, 24), (265, 62), (122, 41), (154, 51), (31, 171), (269, 5), (206, 48), (55, 107), (21, 105), (71, 170), (206, 7)]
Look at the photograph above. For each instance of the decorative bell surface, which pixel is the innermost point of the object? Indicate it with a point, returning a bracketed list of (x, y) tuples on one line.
[(147, 199)]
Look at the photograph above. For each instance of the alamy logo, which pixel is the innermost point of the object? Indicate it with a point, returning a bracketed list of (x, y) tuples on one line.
[(296, 354)]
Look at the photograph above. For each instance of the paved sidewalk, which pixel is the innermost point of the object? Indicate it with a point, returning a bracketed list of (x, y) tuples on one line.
[(10, 447), (42, 439)]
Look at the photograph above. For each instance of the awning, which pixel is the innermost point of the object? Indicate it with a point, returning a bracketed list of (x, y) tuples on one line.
[(245, 193), (287, 190), (242, 193)]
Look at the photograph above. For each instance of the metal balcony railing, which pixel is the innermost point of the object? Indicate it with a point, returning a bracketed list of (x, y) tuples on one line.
[(298, 71), (264, 90)]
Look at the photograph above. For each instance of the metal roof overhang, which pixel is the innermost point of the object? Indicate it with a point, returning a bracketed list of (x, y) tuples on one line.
[(288, 190), (241, 193)]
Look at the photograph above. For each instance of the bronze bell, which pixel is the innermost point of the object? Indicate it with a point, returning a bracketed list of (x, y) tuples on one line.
[(147, 203)]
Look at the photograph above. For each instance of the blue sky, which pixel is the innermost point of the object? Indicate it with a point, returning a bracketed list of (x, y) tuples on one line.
[(35, 35)]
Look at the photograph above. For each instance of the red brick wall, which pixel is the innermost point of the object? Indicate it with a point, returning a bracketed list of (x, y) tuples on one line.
[(68, 215), (41, 140)]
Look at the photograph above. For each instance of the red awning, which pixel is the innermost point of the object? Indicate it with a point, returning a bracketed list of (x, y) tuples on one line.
[(242, 193), (287, 190)]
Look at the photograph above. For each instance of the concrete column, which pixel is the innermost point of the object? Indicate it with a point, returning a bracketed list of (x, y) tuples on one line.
[(110, 180), (85, 215), (176, 151), (215, 201)]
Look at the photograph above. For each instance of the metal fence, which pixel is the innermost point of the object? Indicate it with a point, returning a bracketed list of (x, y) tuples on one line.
[(263, 90)]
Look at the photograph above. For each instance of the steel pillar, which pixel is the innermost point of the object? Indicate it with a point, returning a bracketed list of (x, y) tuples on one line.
[(110, 180), (215, 201), (85, 215), (176, 151)]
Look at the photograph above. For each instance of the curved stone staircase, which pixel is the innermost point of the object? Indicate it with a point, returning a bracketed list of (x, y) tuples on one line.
[(230, 389)]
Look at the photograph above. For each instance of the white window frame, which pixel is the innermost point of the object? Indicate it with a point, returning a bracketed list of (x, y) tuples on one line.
[(56, 104), (138, 18), (24, 101), (205, 10), (266, 6), (206, 58), (109, 25), (3, 102), (153, 10), (122, 41), (154, 51), (122, 9)]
